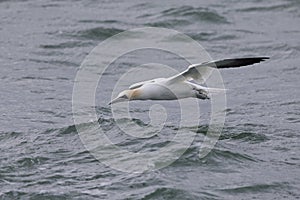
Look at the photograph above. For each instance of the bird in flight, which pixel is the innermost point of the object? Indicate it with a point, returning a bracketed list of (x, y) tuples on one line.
[(181, 85)]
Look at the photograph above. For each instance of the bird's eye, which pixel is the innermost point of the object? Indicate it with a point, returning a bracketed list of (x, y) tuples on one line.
[(124, 97)]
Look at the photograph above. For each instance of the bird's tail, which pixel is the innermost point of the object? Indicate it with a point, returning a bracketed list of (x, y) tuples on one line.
[(208, 92), (216, 90)]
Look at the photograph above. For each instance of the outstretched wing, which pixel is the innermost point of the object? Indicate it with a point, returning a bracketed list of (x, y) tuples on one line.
[(234, 62), (199, 72), (140, 84)]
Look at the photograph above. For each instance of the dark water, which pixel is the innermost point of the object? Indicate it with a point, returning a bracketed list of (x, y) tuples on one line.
[(42, 44)]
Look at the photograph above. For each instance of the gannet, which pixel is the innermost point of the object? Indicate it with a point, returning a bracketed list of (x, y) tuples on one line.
[(181, 85)]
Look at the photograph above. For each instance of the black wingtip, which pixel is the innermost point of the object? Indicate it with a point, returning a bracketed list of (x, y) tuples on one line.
[(239, 62), (258, 59), (262, 58), (254, 58)]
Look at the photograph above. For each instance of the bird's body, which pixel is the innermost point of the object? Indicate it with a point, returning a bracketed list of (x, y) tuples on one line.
[(181, 85), (162, 90)]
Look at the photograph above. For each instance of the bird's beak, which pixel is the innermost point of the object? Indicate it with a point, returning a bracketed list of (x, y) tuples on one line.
[(117, 100)]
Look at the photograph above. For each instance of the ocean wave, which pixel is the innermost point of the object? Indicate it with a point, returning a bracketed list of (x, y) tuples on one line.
[(97, 33), (201, 14), (256, 188), (170, 193), (65, 45), (212, 36), (169, 23), (246, 137), (267, 8)]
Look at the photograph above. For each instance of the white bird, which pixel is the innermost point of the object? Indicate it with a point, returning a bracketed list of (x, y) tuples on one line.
[(180, 85)]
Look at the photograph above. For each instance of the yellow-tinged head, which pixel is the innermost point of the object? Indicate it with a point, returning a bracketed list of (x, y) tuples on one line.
[(126, 95)]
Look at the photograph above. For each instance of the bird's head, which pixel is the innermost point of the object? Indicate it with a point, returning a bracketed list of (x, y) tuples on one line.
[(125, 95)]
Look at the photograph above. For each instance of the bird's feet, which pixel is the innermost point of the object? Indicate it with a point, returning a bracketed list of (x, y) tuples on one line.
[(201, 94)]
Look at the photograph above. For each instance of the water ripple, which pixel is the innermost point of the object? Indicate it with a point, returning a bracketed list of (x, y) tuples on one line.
[(98, 33), (201, 14)]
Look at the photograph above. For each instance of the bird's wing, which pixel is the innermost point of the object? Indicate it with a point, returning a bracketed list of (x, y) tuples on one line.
[(140, 84), (199, 72)]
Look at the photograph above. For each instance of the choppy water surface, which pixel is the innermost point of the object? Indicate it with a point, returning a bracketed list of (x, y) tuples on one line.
[(42, 44)]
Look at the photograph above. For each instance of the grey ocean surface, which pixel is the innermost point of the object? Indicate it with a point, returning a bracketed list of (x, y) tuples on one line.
[(42, 44)]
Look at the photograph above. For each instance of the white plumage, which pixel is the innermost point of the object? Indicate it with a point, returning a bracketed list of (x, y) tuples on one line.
[(181, 85)]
